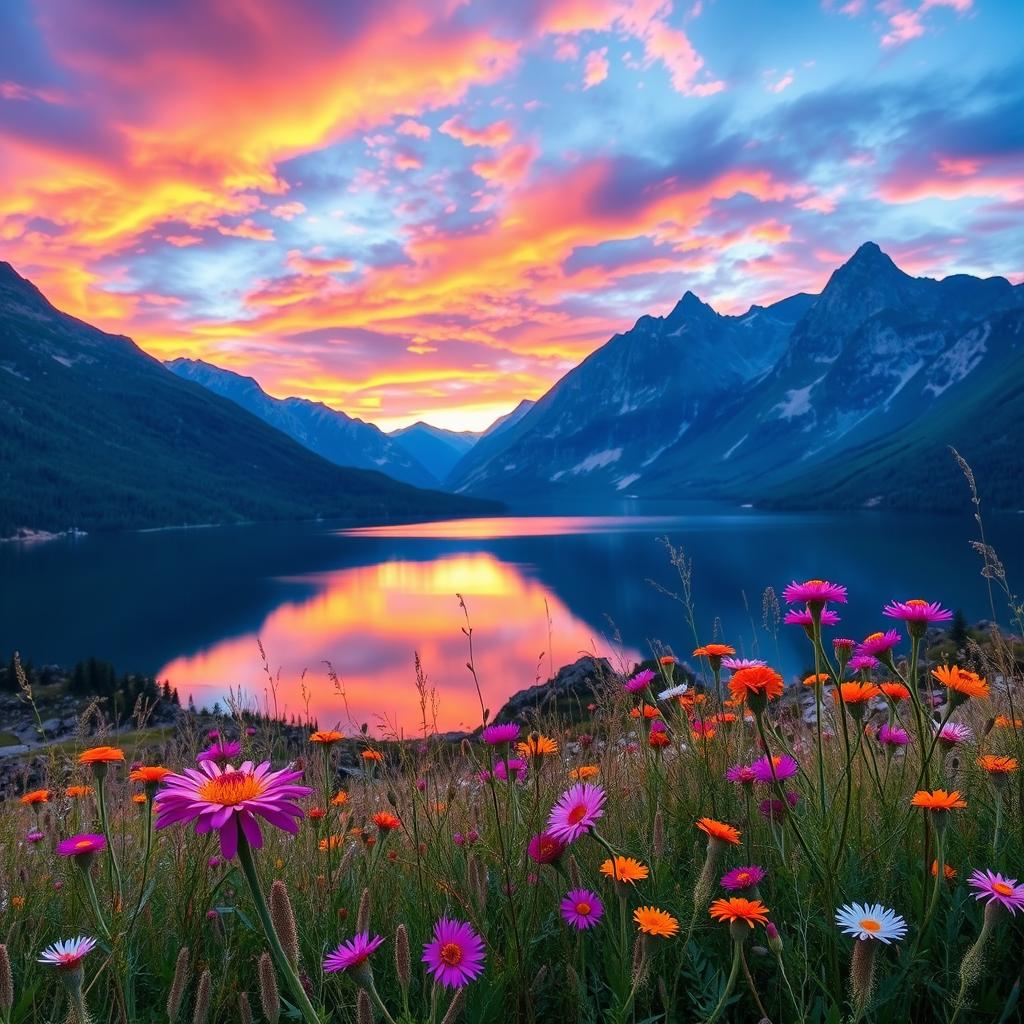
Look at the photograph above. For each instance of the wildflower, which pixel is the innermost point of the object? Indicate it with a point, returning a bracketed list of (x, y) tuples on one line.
[(961, 683), (340, 798), (372, 755), (576, 812), (817, 679), (953, 733), (870, 921), (772, 809), (893, 736), (221, 753), (673, 691), (658, 738), (714, 651), (582, 908), (327, 737), (947, 872), (743, 878), (855, 695), (938, 803), (545, 848), (640, 681), (738, 909), (67, 953), (149, 774), (1004, 722), (667, 659), (917, 614), (36, 797), (645, 711), (996, 765), (97, 756), (733, 664), (353, 953), (228, 799), (514, 766), (843, 645), (756, 685), (331, 843), (658, 923), (815, 593), (584, 771), (35, 836), (456, 955), (785, 768), (804, 617), (508, 732), (995, 888), (78, 792), (894, 691), (863, 663), (624, 869), (386, 822), (537, 745), (82, 847), (316, 813), (718, 832), (879, 644)]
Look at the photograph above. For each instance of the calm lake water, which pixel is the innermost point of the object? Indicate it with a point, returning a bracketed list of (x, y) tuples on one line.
[(191, 605)]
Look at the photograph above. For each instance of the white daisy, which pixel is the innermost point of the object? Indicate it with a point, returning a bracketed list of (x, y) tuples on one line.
[(673, 691), (871, 921)]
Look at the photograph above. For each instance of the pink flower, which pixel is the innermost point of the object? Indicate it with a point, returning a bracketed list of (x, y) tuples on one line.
[(814, 592), (741, 774), (514, 764), (352, 953), (953, 733), (85, 845), (803, 617), (456, 956), (785, 768), (505, 733), (893, 736), (842, 643), (545, 848), (67, 953), (774, 810), (879, 643), (576, 812), (735, 664), (917, 611), (582, 909), (220, 753), (743, 878), (640, 681), (862, 663), (994, 888), (228, 799), (35, 836)]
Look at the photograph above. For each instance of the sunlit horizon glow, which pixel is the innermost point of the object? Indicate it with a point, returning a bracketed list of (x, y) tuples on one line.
[(427, 209)]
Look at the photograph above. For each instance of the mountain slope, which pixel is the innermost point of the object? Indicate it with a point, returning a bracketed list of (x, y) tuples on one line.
[(96, 434), (606, 421), (434, 447), (339, 438)]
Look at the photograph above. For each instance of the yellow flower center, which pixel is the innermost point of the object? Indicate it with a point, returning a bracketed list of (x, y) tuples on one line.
[(231, 789), (451, 954), (1002, 888), (874, 636), (816, 583), (583, 908), (743, 877), (869, 924)]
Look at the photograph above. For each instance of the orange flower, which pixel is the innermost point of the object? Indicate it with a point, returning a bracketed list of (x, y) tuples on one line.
[(17, 902), (341, 797), (75, 792), (139, 798), (153, 773), (585, 771), (856, 693), (647, 711), (326, 737), (624, 869), (894, 691), (667, 659), (37, 796), (995, 765), (658, 739), (652, 921), (1003, 722), (961, 681), (719, 830), (816, 680), (691, 700), (372, 755), (724, 717), (714, 651), (947, 872), (938, 800), (331, 843), (100, 755), (537, 745), (385, 821), (316, 813), (759, 682), (738, 909)]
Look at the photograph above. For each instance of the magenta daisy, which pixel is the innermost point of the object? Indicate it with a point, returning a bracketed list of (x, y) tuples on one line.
[(743, 878), (545, 848), (879, 643), (352, 953), (508, 732), (953, 733), (228, 799), (576, 812), (85, 845), (842, 643), (917, 611), (735, 664), (515, 765), (741, 774), (582, 909), (640, 681), (785, 768), (814, 592), (862, 663), (803, 617), (220, 753), (775, 810), (456, 956), (893, 736), (67, 953), (994, 888)]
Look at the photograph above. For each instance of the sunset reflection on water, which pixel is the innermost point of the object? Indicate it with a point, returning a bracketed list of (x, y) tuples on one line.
[(368, 622)]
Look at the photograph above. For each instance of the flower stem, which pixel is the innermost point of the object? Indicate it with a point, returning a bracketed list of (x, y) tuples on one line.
[(736, 949)]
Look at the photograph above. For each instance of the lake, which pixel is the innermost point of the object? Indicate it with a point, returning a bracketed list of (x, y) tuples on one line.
[(192, 606)]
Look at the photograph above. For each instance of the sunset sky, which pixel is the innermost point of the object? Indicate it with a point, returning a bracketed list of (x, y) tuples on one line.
[(433, 208)]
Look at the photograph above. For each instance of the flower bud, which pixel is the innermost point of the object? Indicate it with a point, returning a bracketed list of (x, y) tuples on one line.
[(244, 1009), (270, 1000), (363, 916), (284, 920), (178, 985), (202, 1007), (774, 940), (403, 966)]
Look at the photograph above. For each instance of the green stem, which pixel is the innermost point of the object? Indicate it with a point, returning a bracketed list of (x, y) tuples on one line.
[(105, 826), (728, 985)]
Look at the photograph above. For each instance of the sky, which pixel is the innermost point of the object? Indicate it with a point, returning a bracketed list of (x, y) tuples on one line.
[(431, 209)]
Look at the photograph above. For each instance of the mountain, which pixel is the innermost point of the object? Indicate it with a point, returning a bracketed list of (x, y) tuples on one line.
[(608, 420), (96, 434), (837, 400), (433, 447), (510, 419), (340, 439)]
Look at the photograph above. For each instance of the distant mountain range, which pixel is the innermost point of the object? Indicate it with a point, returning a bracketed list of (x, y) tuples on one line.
[(845, 399), (96, 434)]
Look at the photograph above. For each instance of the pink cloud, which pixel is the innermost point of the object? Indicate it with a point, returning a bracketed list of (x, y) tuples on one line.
[(247, 228), (407, 162), (414, 128), (288, 211), (509, 167), (903, 26), (779, 84), (595, 71), (496, 134)]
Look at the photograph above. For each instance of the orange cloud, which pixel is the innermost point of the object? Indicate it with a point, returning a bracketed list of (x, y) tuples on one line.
[(496, 134), (595, 70)]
